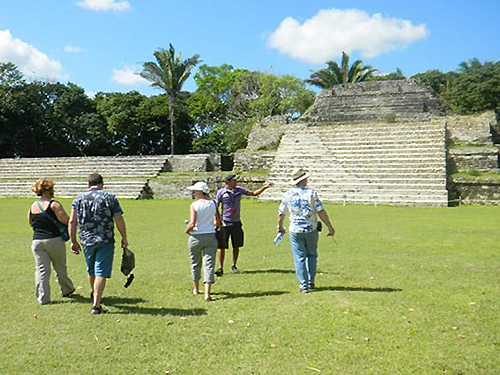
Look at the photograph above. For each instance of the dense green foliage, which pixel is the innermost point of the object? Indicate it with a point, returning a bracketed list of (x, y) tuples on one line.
[(404, 290), (228, 101), (473, 88), (339, 75), (53, 119)]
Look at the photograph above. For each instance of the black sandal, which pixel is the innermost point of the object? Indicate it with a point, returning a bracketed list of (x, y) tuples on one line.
[(98, 310)]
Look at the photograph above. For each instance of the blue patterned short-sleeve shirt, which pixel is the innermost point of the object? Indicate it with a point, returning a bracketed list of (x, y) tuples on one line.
[(95, 210), (302, 203)]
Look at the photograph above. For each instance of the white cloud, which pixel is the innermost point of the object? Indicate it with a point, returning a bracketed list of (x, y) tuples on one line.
[(73, 49), (128, 77), (30, 61), (105, 5), (324, 36)]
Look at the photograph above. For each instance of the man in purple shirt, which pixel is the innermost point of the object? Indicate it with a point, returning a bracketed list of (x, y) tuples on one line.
[(229, 198)]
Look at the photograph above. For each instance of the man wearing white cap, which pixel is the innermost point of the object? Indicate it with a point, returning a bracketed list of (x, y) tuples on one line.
[(304, 206)]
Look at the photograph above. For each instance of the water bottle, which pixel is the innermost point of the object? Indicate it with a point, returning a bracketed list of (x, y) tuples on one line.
[(278, 238), (186, 222)]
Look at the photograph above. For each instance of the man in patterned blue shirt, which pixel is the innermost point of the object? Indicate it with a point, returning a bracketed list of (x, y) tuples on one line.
[(303, 205), (95, 212)]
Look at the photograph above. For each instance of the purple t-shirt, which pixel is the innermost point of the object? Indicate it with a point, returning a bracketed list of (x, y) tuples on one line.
[(231, 202)]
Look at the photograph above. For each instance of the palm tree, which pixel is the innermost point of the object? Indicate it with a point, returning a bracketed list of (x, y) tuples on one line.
[(338, 75), (169, 74)]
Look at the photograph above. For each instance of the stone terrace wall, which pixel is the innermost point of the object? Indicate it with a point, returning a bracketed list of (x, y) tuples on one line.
[(193, 162), (479, 190), (251, 161), (373, 101), (170, 188), (474, 135), (483, 160), (267, 134), (470, 130)]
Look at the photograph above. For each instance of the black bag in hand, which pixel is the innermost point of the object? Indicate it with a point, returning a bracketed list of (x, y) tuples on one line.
[(128, 264)]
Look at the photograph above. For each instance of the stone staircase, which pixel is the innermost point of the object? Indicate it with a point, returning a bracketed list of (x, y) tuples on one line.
[(366, 163), (124, 176)]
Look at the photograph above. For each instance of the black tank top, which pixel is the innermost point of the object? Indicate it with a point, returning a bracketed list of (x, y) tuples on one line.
[(43, 228)]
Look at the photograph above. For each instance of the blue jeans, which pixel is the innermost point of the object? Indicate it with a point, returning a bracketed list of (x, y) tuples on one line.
[(305, 256)]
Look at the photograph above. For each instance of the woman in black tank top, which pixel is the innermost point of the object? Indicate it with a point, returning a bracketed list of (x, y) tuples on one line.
[(48, 246)]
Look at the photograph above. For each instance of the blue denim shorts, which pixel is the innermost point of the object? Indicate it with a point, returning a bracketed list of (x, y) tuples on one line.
[(99, 258)]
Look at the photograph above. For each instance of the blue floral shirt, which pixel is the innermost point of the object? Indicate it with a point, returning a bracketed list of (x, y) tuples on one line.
[(95, 210), (303, 204)]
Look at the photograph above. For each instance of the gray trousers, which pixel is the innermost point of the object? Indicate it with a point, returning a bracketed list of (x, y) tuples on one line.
[(52, 250), (202, 250)]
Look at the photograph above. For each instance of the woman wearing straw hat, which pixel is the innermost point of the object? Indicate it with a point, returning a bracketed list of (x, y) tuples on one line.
[(202, 243), (304, 206)]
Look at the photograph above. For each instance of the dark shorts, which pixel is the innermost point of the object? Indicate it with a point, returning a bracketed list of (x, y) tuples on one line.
[(232, 231)]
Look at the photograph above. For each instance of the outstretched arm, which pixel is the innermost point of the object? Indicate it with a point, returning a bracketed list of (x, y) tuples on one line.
[(259, 191)]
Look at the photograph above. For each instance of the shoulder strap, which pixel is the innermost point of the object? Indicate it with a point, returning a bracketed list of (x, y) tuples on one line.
[(45, 212)]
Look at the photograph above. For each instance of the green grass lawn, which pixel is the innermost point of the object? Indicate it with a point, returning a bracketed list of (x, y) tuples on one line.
[(402, 291)]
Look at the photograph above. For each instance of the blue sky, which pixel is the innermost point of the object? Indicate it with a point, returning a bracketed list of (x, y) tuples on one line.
[(100, 44)]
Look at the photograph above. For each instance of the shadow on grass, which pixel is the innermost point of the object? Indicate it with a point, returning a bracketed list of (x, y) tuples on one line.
[(228, 295), (356, 289), (127, 305), (109, 300), (272, 270), (162, 311)]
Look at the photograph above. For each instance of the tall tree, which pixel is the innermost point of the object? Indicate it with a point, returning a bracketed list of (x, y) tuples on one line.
[(338, 75), (229, 101), (10, 75), (169, 73)]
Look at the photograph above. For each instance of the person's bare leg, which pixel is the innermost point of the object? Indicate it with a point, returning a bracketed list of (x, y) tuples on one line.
[(207, 292), (92, 281), (99, 284), (221, 253), (236, 253), (196, 287)]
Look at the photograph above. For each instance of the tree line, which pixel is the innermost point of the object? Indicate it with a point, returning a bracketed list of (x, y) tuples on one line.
[(54, 119)]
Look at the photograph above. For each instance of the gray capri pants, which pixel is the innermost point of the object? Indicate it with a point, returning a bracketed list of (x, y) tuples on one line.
[(202, 250)]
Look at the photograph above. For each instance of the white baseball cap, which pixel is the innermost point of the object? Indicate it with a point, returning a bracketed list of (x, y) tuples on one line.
[(200, 186)]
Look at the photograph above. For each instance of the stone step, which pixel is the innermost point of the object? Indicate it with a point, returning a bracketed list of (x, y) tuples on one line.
[(440, 200), (360, 196), (66, 161), (82, 173), (327, 178), (364, 142), (359, 160), (70, 189), (371, 128), (372, 152), (370, 186)]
